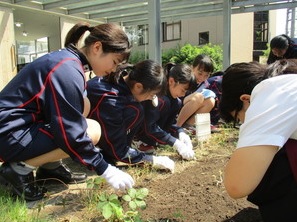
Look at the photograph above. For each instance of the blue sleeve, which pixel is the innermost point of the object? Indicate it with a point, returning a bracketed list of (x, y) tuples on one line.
[(151, 128)]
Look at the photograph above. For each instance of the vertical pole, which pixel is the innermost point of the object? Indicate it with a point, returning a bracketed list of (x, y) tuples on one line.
[(226, 32), (154, 11)]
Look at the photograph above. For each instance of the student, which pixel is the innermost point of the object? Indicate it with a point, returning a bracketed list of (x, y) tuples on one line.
[(201, 100), (159, 125), (41, 118), (261, 166), (115, 104), (282, 47), (215, 85)]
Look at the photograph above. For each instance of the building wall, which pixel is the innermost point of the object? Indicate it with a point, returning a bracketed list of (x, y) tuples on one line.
[(242, 26), (66, 24), (8, 67), (241, 35)]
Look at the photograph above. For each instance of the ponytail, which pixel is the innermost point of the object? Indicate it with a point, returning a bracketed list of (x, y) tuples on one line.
[(167, 68), (122, 70), (76, 32)]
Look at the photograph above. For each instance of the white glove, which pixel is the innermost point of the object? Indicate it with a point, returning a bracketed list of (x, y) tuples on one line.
[(118, 179), (184, 138), (183, 150), (163, 162)]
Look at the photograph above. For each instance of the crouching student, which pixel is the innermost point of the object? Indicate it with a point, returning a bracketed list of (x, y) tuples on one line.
[(41, 111), (159, 125), (263, 167), (201, 99), (115, 104)]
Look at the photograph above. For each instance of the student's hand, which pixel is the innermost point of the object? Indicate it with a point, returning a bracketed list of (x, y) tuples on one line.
[(184, 138), (183, 150), (118, 179), (163, 162)]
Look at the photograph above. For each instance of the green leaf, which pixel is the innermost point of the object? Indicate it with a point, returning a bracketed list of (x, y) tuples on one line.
[(141, 204), (132, 205), (100, 205), (113, 197), (142, 193), (107, 211), (132, 193), (102, 197), (127, 198), (98, 180)]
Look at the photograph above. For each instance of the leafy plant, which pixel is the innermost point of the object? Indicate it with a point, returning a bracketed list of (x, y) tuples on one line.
[(95, 183), (137, 57), (111, 205), (135, 198), (188, 52)]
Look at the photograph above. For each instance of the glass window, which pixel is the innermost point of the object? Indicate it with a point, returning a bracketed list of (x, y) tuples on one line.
[(31, 50), (261, 26), (171, 31), (143, 35), (203, 38)]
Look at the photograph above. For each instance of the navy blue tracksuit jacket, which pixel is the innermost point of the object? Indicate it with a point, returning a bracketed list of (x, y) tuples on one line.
[(159, 122), (119, 115), (48, 92)]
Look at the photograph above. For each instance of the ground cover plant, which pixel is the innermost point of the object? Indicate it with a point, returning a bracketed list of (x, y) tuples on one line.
[(194, 192)]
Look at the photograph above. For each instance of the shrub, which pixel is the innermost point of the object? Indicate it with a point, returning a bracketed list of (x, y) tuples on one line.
[(188, 52), (185, 54)]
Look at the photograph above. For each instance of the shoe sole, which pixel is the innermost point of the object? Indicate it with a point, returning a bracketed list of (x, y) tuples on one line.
[(53, 180), (147, 151), (16, 191)]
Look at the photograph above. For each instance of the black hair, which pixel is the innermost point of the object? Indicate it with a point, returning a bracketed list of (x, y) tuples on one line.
[(204, 62), (281, 42), (241, 78), (181, 73), (111, 36), (238, 79), (147, 72)]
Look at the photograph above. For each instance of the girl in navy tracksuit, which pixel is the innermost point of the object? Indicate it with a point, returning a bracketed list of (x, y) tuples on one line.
[(115, 104), (282, 47), (159, 125), (41, 110)]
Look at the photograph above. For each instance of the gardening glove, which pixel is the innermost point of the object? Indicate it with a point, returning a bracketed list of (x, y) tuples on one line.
[(163, 162), (118, 179), (183, 150), (184, 138)]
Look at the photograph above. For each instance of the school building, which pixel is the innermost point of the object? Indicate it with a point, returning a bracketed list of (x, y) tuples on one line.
[(27, 33)]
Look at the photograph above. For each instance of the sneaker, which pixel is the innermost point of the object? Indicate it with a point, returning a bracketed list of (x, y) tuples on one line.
[(191, 130), (62, 173), (146, 148), (214, 129), (21, 185)]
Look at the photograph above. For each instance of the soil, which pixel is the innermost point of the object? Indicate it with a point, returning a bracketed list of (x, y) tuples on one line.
[(194, 192)]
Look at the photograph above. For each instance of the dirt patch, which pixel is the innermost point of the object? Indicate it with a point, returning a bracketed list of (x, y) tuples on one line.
[(193, 193), (197, 194)]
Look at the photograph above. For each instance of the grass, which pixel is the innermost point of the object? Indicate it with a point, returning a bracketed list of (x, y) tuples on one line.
[(16, 210), (80, 204)]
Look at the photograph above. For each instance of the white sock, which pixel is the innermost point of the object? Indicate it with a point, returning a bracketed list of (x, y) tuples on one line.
[(22, 167)]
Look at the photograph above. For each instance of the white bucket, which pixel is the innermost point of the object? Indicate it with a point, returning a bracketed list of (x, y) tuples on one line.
[(202, 121)]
